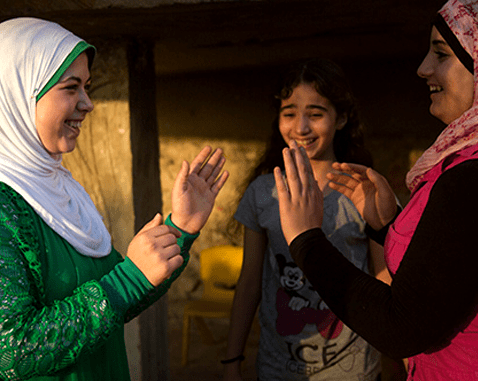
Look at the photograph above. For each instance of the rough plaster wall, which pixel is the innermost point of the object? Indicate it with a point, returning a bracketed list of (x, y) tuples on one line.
[(220, 109), (101, 161), (241, 157)]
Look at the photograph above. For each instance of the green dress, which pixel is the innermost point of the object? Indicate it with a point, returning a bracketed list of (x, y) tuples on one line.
[(62, 313)]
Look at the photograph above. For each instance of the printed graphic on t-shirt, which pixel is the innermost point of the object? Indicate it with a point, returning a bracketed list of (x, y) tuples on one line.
[(294, 311), (309, 360)]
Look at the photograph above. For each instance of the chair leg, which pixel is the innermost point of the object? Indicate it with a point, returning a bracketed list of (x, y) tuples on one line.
[(185, 343)]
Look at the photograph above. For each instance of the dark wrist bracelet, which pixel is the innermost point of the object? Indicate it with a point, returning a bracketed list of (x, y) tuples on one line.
[(234, 359)]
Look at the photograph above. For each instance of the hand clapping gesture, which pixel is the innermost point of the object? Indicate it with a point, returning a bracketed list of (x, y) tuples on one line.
[(300, 199), (369, 191), (196, 188), (154, 250)]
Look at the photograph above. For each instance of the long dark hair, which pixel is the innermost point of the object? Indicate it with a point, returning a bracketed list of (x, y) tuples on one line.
[(330, 82)]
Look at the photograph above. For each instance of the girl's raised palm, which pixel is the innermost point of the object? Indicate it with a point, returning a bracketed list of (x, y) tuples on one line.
[(368, 190), (195, 190)]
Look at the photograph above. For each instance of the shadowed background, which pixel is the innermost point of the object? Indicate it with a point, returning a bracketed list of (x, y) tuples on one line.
[(172, 76)]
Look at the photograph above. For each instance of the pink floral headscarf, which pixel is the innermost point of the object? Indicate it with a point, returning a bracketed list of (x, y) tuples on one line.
[(461, 16)]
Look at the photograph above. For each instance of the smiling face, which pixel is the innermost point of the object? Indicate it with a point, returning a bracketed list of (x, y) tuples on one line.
[(311, 120), (61, 110), (451, 84)]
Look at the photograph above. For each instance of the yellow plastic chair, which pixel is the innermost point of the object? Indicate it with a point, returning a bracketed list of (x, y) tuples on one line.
[(220, 267)]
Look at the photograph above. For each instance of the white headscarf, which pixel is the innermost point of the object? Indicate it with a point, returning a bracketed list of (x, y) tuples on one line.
[(32, 50)]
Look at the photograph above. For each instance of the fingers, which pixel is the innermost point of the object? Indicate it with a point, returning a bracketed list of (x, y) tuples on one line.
[(304, 168), (350, 167), (216, 169), (346, 191), (378, 180), (209, 167), (357, 171), (199, 160), (281, 185), (350, 176), (292, 176), (167, 234), (156, 253), (342, 183), (300, 199), (156, 221), (158, 234), (299, 173), (217, 186), (206, 166), (386, 196), (163, 239), (175, 262)]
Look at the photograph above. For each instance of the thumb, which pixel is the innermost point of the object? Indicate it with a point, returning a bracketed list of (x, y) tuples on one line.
[(156, 221), (377, 180), (182, 177), (387, 204)]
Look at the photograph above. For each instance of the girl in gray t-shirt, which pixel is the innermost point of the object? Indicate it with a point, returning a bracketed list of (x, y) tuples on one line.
[(301, 339)]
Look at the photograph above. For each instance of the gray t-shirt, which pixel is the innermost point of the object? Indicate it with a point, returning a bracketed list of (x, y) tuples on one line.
[(301, 339)]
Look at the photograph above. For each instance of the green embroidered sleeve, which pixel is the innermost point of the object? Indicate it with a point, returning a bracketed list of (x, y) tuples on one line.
[(185, 242), (39, 339)]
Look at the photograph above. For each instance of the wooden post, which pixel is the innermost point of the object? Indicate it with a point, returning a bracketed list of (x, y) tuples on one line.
[(147, 198)]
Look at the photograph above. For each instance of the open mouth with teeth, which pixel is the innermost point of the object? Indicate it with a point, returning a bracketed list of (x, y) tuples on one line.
[(305, 142), (76, 124), (435, 89)]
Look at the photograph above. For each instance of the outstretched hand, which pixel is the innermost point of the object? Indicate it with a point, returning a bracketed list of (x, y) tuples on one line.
[(369, 191), (195, 190), (300, 199)]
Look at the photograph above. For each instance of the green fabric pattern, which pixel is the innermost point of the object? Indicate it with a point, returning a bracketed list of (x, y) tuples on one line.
[(36, 338), (59, 318), (185, 242)]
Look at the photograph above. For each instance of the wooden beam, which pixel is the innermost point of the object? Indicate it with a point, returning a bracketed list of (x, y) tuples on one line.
[(147, 198), (202, 35), (29, 7)]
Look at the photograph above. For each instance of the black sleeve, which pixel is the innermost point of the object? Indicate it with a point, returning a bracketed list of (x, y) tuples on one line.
[(380, 235), (434, 292)]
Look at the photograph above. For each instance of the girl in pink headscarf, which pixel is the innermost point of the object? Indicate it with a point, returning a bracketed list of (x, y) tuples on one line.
[(429, 312)]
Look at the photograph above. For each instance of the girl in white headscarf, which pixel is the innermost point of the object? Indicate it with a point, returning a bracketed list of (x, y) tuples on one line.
[(65, 292), (429, 312)]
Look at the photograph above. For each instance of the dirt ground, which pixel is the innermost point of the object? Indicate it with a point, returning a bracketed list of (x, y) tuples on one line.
[(204, 359)]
